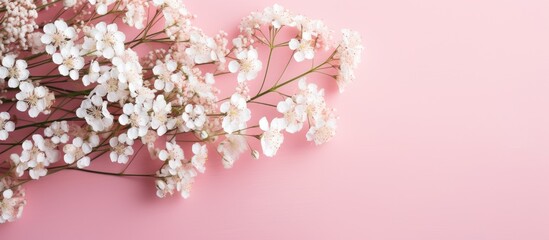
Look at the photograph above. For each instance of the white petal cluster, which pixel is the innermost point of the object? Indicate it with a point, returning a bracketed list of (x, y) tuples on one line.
[(237, 114), (36, 156), (304, 48), (231, 148), (109, 42), (136, 12), (349, 53), (247, 65), (194, 116), (200, 156), (167, 76), (136, 115), (160, 119), (58, 132), (6, 126), (272, 138), (121, 148), (56, 35), (12, 200), (34, 99), (94, 110), (79, 149), (294, 114), (101, 6), (176, 174), (14, 70), (69, 61)]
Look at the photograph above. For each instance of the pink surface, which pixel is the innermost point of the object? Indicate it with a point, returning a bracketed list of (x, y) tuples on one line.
[(444, 136)]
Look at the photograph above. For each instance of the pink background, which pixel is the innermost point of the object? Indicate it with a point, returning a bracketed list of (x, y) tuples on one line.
[(445, 135)]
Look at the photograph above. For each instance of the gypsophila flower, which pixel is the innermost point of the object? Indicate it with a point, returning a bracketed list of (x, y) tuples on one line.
[(94, 111), (35, 99), (58, 132), (203, 48), (247, 65), (173, 152), (237, 114), (111, 87), (136, 11), (323, 129), (194, 116), (77, 152), (166, 75), (15, 70), (121, 148), (12, 200), (159, 116), (176, 175), (36, 156), (272, 138), (231, 148), (56, 35), (69, 61), (200, 156), (95, 71), (310, 96), (137, 117), (304, 48), (6, 126), (349, 54), (18, 21), (109, 42), (101, 6), (294, 114)]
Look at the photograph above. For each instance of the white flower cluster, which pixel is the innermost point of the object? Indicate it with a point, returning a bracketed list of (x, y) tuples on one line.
[(103, 98), (178, 174), (12, 200), (17, 24)]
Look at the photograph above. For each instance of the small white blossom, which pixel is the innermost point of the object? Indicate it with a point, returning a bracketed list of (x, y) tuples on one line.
[(167, 75), (247, 65), (56, 35), (194, 116), (237, 114), (304, 48), (101, 6), (77, 152), (12, 200), (58, 132), (36, 156), (109, 41), (136, 11), (6, 126), (111, 87), (160, 115), (69, 61), (121, 148), (34, 99), (231, 148), (176, 175), (272, 138), (200, 156), (94, 111), (294, 114), (15, 70), (323, 129), (349, 54), (173, 152), (137, 117)]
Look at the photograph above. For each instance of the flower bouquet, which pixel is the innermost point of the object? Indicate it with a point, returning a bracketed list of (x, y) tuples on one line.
[(81, 79)]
